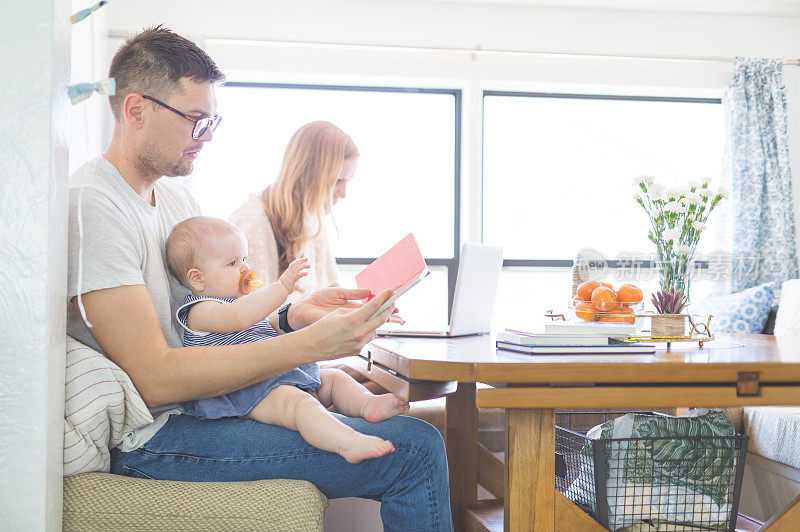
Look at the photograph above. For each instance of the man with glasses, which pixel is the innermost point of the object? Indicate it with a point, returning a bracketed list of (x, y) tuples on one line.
[(201, 123), (121, 211)]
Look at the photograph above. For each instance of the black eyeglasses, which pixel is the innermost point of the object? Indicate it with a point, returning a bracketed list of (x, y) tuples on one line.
[(201, 125)]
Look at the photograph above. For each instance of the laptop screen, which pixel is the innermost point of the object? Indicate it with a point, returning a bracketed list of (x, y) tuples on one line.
[(479, 270)]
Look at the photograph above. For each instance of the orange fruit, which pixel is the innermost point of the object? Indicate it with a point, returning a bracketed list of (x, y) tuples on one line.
[(629, 293), (604, 299), (585, 311), (607, 285), (585, 290), (576, 301), (625, 319)]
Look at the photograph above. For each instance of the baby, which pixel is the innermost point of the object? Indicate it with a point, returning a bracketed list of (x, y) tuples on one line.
[(209, 257)]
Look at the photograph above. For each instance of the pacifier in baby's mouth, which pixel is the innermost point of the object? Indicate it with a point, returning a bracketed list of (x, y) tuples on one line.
[(248, 281)]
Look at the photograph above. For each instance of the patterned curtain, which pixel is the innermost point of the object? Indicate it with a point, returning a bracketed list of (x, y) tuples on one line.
[(757, 168)]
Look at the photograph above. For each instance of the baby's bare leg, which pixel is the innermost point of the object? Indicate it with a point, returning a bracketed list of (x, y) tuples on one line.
[(291, 407), (353, 400)]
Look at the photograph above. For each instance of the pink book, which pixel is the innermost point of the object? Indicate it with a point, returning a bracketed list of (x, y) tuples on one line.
[(398, 269)]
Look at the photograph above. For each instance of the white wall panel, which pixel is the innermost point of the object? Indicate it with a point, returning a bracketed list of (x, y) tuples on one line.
[(34, 52)]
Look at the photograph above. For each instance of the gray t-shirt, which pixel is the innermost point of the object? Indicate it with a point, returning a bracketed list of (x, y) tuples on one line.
[(123, 245), (123, 241)]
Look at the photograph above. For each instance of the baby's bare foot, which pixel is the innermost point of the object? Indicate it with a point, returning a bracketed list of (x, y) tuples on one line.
[(380, 407), (361, 447)]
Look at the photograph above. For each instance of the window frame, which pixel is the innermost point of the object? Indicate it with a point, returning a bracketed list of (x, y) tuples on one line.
[(567, 263)]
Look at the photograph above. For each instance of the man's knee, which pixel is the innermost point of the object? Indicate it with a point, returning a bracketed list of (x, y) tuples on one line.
[(425, 444), (430, 434), (420, 433)]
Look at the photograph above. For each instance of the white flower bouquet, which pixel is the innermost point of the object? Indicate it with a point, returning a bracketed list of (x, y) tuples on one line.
[(678, 216)]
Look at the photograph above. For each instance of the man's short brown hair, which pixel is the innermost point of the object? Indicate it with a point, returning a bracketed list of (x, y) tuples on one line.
[(153, 63)]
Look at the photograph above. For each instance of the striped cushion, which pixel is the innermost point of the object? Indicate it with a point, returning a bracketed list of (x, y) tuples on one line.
[(101, 407), (787, 321), (774, 432)]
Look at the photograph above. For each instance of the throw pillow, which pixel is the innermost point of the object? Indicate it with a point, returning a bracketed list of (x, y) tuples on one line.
[(742, 312), (101, 407)]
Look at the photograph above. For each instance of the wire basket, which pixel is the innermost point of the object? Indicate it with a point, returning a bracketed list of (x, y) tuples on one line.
[(621, 482)]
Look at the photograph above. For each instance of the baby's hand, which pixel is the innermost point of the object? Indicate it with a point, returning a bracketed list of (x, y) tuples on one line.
[(296, 269)]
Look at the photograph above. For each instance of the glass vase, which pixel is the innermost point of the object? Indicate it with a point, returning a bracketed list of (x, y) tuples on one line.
[(674, 273)]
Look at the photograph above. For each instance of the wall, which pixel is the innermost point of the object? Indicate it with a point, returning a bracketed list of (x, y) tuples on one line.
[(91, 122), (34, 49), (231, 36)]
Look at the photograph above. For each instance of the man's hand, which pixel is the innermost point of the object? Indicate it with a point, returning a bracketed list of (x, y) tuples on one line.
[(323, 302), (345, 330)]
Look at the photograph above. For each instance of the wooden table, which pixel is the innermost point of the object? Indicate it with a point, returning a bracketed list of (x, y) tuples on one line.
[(734, 370)]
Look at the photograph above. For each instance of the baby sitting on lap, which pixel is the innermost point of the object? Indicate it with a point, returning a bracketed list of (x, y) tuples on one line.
[(209, 257)]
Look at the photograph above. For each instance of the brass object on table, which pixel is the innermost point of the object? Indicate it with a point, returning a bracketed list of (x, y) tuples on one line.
[(699, 327)]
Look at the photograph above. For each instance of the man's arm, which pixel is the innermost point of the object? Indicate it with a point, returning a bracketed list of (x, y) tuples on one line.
[(126, 327)]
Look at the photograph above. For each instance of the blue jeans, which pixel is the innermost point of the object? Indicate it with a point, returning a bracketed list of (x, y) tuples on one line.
[(411, 483)]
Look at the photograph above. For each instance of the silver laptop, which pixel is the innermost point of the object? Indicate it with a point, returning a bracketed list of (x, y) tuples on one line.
[(479, 270)]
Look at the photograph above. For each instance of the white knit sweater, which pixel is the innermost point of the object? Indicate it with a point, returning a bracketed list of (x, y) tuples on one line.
[(251, 218)]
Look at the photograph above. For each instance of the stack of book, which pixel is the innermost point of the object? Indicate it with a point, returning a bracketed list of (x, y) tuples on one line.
[(573, 338)]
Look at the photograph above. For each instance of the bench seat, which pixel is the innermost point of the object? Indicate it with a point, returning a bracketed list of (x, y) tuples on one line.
[(105, 502)]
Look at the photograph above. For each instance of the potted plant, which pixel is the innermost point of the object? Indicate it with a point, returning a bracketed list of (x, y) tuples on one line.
[(668, 322)]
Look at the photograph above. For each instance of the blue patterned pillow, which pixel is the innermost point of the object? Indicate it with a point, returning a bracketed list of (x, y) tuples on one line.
[(742, 312)]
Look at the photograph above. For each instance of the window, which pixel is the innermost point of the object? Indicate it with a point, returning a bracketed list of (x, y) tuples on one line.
[(557, 178), (406, 180), (558, 173)]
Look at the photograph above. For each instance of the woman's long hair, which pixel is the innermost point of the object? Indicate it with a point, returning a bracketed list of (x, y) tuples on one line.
[(311, 165)]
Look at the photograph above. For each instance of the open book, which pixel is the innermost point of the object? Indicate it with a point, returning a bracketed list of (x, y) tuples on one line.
[(398, 269)]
